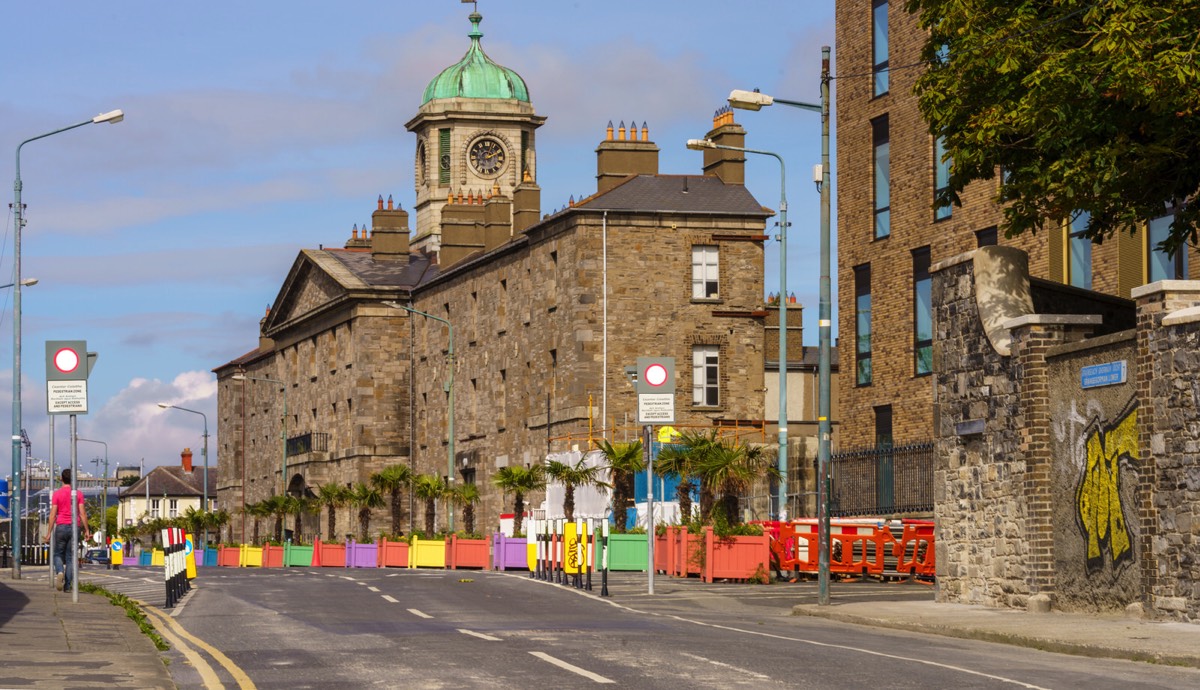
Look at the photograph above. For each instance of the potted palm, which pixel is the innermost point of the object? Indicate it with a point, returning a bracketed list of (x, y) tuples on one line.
[(364, 554), (428, 552), (468, 550)]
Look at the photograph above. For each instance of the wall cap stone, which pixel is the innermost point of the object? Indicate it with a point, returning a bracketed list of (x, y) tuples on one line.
[(1129, 336), (1054, 320), (1165, 286), (1182, 316), (952, 261)]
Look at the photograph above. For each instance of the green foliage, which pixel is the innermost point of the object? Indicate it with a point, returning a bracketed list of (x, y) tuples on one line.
[(365, 498), (132, 610), (429, 488), (1085, 106), (519, 481), (624, 461), (392, 480), (332, 496), (466, 495)]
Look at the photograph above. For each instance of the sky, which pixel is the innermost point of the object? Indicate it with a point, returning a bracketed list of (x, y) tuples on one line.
[(256, 129)]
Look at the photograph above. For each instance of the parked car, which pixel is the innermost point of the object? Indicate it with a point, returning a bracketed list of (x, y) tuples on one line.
[(98, 556)]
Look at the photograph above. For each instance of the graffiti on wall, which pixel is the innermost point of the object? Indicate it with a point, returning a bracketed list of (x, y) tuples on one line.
[(1109, 445)]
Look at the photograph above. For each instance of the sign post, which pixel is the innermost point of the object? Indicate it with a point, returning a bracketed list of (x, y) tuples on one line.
[(68, 364), (656, 405)]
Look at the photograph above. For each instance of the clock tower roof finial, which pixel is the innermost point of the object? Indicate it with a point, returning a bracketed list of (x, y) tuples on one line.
[(476, 75)]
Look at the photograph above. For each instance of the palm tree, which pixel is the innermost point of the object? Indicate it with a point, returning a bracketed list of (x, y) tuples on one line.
[(624, 461), (429, 488), (196, 521), (466, 495), (332, 495), (366, 498), (729, 469), (571, 476), (392, 480), (681, 460), (217, 520), (256, 511), (519, 481), (277, 507)]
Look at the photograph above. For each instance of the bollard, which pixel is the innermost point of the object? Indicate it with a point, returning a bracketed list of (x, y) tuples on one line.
[(604, 563)]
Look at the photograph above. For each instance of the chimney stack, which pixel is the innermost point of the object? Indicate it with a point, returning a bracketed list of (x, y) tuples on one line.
[(617, 159), (186, 457), (389, 231), (729, 166)]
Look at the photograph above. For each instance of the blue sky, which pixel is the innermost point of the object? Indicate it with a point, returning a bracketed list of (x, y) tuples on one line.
[(256, 129)]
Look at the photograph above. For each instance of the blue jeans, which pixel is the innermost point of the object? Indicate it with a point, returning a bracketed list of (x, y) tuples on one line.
[(60, 549)]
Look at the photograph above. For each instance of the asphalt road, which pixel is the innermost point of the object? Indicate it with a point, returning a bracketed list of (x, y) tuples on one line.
[(341, 628)]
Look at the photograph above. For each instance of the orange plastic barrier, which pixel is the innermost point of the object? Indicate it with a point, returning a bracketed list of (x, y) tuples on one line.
[(857, 547)]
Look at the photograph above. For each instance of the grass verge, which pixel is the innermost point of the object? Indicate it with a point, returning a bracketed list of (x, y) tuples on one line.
[(132, 610)]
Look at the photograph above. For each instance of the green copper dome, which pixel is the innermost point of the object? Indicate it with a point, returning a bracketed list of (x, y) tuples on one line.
[(476, 76)]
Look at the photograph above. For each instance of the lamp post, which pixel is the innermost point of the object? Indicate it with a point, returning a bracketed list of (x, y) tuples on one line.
[(204, 507), (283, 432), (24, 283), (751, 100), (700, 145), (450, 401), (113, 117), (103, 485)]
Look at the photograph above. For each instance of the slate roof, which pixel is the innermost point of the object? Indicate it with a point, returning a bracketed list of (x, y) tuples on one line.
[(173, 481), (386, 273), (679, 194)]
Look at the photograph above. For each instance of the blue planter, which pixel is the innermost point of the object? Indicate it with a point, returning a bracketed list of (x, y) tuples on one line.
[(210, 557), (144, 558)]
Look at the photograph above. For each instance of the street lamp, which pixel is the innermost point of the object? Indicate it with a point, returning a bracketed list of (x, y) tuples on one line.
[(205, 451), (450, 402), (752, 100), (283, 433), (113, 117), (700, 145), (103, 486), (24, 283)]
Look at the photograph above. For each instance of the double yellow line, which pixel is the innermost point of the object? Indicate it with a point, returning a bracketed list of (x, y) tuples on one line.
[(176, 635)]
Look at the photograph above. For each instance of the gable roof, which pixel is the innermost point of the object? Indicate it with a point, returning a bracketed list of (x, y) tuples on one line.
[(678, 194), (172, 481)]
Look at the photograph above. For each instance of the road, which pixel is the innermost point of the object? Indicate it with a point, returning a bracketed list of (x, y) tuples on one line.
[(322, 628)]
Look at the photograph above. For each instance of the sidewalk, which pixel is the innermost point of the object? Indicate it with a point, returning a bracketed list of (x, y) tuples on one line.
[(47, 640), (1109, 636)]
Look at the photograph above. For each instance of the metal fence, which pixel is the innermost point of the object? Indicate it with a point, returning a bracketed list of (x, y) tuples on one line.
[(311, 442), (882, 481)]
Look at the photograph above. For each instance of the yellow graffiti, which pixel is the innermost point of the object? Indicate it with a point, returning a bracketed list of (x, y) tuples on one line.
[(1101, 515)]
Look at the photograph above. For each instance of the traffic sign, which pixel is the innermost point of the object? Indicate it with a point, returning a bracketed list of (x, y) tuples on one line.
[(656, 408), (66, 397), (67, 360), (656, 375)]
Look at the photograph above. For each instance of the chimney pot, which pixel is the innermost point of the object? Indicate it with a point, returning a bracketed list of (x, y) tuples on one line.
[(186, 460)]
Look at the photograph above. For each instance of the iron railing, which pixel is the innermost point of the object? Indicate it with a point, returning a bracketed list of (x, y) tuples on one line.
[(311, 442), (882, 481)]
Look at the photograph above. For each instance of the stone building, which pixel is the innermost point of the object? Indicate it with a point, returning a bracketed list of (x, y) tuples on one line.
[(889, 233), (533, 318)]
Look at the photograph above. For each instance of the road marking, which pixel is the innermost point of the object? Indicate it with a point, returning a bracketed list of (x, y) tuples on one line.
[(373, 589), (419, 613), (481, 636), (745, 672), (573, 669), (387, 598), (239, 676), (360, 583), (348, 578)]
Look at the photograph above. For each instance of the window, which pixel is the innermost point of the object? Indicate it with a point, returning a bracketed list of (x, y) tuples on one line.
[(1079, 258), (941, 177), (443, 156), (1162, 266), (704, 272), (862, 325), (883, 426), (705, 376), (155, 507), (879, 45), (883, 177), (986, 237), (173, 508), (922, 313)]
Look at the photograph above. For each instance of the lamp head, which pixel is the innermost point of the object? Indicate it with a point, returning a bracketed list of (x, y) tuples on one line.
[(111, 117), (164, 406), (700, 144), (749, 100), (238, 377)]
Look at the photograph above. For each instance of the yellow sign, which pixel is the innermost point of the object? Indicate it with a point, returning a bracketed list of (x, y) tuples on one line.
[(116, 551), (574, 549), (666, 434), (189, 556)]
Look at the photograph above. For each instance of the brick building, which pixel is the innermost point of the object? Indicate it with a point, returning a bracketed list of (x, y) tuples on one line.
[(889, 233), (545, 311)]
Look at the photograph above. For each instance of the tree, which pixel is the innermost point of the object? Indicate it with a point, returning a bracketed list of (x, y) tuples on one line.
[(365, 498), (277, 507), (429, 488), (519, 481), (681, 460), (218, 520), (332, 496), (1087, 107), (624, 461), (256, 510), (392, 480), (728, 470), (572, 476), (466, 495)]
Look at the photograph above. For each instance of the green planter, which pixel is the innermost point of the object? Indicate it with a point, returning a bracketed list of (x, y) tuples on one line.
[(299, 556), (627, 552)]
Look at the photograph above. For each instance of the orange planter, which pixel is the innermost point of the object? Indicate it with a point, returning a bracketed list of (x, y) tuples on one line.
[(735, 558), (467, 553), (393, 554), (272, 556), (229, 556), (329, 555)]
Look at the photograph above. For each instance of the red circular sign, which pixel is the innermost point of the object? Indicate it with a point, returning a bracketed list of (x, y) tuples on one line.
[(656, 375), (66, 360)]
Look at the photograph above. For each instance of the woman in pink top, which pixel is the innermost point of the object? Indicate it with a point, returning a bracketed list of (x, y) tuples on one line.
[(60, 529)]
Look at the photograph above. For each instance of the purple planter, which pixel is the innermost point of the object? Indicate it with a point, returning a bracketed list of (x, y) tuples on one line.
[(509, 553), (361, 555)]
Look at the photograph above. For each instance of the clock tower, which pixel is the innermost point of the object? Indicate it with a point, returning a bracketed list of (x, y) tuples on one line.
[(475, 136)]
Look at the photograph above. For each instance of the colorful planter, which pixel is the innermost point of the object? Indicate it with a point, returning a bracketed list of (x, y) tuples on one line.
[(627, 552), (144, 558), (272, 557), (156, 557), (509, 553), (468, 553), (393, 554), (297, 556), (428, 553), (252, 556), (329, 555), (735, 558), (361, 555), (229, 556), (210, 556)]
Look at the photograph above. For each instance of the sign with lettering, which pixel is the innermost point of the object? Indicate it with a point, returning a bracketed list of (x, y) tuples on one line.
[(1107, 374)]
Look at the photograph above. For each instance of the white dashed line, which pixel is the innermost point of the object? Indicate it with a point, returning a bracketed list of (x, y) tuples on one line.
[(387, 598), (373, 589), (481, 636), (419, 613), (573, 669)]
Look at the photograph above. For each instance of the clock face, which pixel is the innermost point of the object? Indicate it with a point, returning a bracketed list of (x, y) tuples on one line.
[(487, 156)]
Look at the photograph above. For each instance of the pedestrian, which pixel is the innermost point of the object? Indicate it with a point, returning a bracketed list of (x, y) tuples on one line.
[(60, 529)]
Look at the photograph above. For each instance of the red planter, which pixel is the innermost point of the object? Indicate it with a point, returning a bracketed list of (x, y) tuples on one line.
[(393, 554), (329, 555), (735, 558), (272, 556), (229, 556), (467, 553)]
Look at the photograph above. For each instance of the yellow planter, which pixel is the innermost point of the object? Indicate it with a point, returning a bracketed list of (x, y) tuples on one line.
[(252, 557), (427, 553), (156, 557)]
